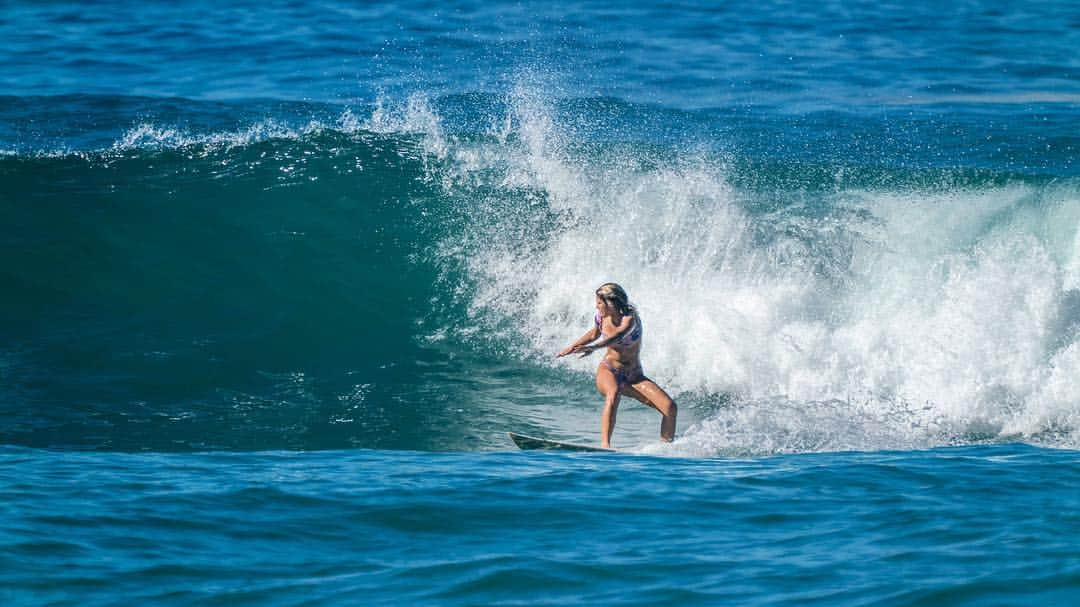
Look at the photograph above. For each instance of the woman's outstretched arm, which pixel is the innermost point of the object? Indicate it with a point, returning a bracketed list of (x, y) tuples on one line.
[(578, 345)]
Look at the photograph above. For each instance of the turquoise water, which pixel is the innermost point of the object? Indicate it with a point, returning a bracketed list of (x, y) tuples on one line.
[(279, 279)]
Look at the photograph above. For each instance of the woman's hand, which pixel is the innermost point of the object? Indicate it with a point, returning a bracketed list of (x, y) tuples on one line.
[(565, 351), (585, 350)]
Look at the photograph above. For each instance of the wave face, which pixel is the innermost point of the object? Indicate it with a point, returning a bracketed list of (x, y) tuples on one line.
[(184, 287), (398, 275)]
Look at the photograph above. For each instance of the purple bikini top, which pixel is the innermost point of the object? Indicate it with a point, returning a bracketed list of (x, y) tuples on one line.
[(630, 338)]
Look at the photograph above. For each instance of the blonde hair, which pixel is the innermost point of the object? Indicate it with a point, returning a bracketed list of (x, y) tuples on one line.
[(614, 295)]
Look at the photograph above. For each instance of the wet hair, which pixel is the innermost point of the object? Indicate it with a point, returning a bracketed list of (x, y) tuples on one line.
[(614, 295)]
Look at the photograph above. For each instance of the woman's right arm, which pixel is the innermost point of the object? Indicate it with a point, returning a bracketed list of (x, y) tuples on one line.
[(589, 337)]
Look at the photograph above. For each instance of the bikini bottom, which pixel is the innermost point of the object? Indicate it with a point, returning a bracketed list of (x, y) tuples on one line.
[(623, 375)]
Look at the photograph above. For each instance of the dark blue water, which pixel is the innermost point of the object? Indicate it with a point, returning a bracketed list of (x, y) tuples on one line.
[(962, 526), (278, 279)]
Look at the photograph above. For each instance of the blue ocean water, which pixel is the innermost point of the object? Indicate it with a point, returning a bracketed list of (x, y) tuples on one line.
[(280, 276), (955, 526)]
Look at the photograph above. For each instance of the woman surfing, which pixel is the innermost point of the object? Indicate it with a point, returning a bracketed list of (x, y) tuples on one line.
[(617, 327)]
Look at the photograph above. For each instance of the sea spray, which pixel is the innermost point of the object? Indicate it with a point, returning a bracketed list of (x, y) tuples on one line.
[(938, 307)]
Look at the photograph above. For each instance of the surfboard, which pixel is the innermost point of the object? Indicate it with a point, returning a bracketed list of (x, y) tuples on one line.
[(528, 443)]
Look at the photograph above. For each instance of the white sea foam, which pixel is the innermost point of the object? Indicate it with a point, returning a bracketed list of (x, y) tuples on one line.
[(152, 136), (894, 319), (416, 117)]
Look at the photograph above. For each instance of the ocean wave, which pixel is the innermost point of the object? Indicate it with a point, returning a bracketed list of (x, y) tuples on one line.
[(829, 305)]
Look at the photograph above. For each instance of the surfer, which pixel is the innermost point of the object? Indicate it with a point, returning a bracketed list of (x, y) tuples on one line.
[(617, 327)]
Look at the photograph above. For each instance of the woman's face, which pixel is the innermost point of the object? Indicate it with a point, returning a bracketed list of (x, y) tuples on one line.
[(602, 307)]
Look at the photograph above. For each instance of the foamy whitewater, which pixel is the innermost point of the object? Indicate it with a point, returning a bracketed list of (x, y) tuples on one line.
[(839, 316)]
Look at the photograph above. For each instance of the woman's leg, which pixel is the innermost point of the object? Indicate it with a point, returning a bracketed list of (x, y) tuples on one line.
[(608, 386), (654, 396)]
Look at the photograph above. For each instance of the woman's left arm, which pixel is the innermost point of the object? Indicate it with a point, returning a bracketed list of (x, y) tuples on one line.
[(624, 327)]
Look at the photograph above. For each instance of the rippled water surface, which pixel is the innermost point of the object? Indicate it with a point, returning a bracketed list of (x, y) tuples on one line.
[(972, 525)]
